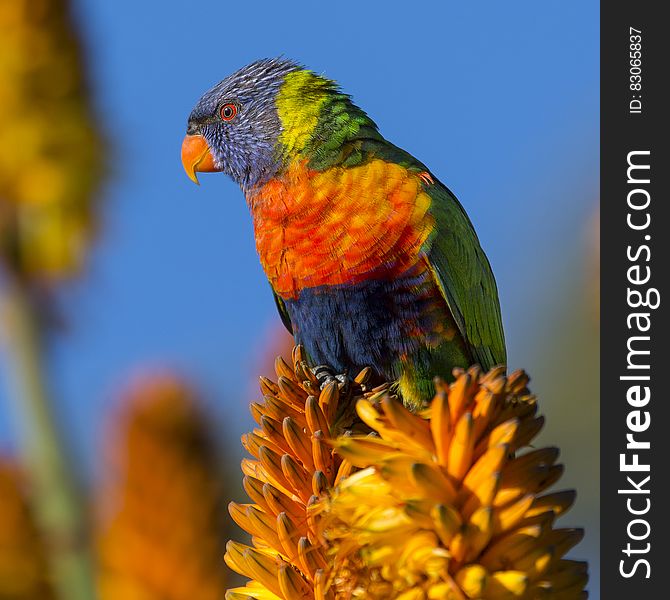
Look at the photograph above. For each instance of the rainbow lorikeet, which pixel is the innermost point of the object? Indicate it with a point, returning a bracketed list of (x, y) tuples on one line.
[(371, 259)]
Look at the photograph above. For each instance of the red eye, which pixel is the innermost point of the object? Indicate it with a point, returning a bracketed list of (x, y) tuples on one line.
[(228, 112)]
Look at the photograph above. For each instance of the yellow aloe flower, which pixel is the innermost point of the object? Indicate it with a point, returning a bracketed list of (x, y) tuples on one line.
[(50, 156), (160, 526), (445, 504), (293, 465), (23, 567)]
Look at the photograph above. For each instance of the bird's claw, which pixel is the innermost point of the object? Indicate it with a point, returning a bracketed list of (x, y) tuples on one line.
[(324, 375)]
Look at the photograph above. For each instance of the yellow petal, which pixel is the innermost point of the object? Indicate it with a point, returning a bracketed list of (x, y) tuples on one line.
[(298, 441), (310, 557), (246, 593), (472, 579), (503, 433), (329, 400), (279, 502), (273, 430), (461, 448), (288, 535), (254, 489), (459, 398), (364, 451), (432, 483), (271, 462), (292, 584), (506, 585), (508, 517), (490, 462), (292, 392), (557, 503), (263, 568), (478, 532), (322, 456), (504, 551), (263, 526), (415, 429), (316, 420), (447, 522), (234, 557), (440, 426), (482, 496), (297, 476)]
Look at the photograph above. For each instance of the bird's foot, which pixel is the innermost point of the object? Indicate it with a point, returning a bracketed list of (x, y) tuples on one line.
[(324, 375)]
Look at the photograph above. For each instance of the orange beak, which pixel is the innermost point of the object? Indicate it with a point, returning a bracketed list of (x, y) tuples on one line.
[(196, 156)]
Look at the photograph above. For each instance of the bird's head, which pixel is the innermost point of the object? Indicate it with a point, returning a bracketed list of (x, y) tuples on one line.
[(235, 127), (258, 119)]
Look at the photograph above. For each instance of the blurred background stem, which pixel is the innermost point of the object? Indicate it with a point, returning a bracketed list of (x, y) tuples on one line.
[(58, 508)]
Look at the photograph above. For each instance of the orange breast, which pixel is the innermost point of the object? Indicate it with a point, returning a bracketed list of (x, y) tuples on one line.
[(343, 225)]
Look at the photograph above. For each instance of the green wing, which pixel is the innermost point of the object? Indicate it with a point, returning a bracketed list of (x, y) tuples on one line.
[(464, 276), (283, 313)]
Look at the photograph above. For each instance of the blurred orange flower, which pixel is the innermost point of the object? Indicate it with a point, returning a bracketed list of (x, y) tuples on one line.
[(160, 523)]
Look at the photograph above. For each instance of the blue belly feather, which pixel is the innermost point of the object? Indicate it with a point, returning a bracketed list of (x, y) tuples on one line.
[(372, 323)]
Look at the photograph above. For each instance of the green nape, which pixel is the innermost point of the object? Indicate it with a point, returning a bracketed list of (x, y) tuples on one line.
[(339, 134), (323, 125)]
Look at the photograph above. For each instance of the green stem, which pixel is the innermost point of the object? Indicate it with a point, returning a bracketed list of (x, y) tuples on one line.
[(57, 506)]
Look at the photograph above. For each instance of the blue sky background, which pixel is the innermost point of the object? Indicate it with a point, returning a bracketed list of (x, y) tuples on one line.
[(501, 100)]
